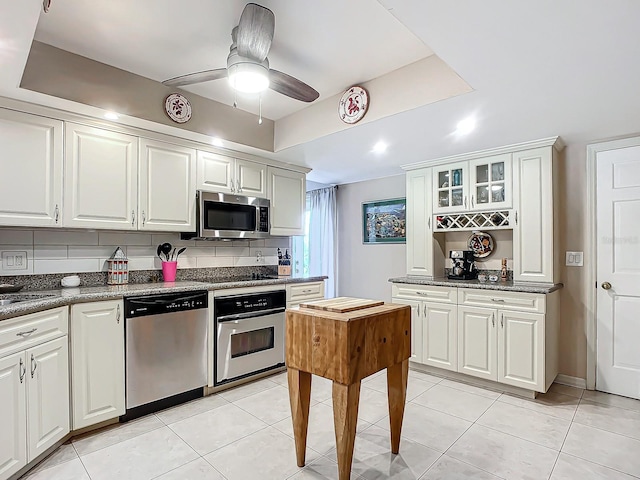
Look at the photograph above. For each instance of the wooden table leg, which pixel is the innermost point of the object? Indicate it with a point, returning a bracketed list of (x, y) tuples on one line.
[(299, 396), (397, 393), (345, 419)]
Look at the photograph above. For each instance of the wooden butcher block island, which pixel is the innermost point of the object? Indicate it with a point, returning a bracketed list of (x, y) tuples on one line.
[(345, 340)]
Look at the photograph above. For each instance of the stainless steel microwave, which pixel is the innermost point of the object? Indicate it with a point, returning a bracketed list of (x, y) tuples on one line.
[(222, 215)]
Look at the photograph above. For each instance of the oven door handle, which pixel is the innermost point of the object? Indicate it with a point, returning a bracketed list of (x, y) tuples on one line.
[(244, 316)]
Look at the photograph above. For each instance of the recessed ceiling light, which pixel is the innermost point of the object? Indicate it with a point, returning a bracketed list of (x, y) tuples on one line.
[(111, 116), (379, 147), (466, 126), (216, 141)]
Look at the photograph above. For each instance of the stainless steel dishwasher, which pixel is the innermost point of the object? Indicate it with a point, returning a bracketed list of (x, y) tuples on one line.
[(165, 350)]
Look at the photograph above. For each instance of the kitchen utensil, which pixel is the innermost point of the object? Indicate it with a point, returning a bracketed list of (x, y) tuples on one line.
[(180, 251), (166, 249), (173, 254), (159, 251)]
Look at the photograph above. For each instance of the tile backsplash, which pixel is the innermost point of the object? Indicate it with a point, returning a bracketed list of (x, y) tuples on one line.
[(78, 251)]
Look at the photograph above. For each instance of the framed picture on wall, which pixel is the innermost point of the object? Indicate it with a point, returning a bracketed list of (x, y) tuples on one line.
[(384, 221)]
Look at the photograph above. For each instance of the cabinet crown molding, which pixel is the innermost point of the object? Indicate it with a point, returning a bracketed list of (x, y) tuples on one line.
[(555, 142)]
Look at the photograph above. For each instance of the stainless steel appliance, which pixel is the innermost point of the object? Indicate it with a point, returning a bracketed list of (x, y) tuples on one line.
[(463, 265), (249, 334), (165, 350), (222, 215)]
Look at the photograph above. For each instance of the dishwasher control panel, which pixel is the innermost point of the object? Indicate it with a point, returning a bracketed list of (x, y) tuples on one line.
[(164, 303)]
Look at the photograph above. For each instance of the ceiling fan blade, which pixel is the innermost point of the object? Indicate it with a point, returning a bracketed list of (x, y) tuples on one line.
[(198, 77), (291, 86), (255, 31)]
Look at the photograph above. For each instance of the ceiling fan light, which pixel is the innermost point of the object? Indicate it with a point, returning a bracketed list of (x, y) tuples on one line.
[(248, 77)]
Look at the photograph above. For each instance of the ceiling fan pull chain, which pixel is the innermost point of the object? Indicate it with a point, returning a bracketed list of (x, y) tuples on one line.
[(260, 118), (235, 98)]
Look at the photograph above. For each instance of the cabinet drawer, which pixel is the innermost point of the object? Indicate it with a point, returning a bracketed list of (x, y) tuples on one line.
[(22, 332), (305, 291), (431, 293), (523, 302)]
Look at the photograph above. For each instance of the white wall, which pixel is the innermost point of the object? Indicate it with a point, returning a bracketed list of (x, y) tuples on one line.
[(76, 251), (364, 270)]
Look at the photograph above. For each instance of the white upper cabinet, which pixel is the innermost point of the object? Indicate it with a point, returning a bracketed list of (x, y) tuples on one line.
[(215, 173), (101, 178), (419, 233), (31, 165), (222, 174), (533, 232), (288, 199), (166, 192), (450, 188), (490, 182), (480, 184), (251, 179)]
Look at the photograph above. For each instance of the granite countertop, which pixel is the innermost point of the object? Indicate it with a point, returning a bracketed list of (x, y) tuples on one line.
[(46, 299), (508, 286)]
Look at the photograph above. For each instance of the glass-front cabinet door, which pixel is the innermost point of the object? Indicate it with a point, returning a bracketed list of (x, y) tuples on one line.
[(490, 183), (450, 188)]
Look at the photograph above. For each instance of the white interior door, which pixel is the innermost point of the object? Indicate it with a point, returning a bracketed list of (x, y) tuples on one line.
[(618, 271)]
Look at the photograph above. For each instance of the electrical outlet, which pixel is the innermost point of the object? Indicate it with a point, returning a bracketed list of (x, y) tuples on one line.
[(14, 260), (574, 259)]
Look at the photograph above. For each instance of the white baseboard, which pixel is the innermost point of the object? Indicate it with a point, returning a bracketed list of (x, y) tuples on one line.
[(571, 381)]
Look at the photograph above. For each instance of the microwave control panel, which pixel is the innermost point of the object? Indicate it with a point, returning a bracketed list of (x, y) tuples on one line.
[(263, 214)]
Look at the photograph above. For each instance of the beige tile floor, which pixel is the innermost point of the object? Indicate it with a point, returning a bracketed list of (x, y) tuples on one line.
[(451, 431)]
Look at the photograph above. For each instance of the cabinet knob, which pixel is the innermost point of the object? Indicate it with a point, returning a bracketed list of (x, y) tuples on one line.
[(606, 285)]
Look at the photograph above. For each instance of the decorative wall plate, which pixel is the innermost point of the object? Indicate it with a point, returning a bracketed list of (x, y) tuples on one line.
[(177, 108), (353, 105), (481, 243)]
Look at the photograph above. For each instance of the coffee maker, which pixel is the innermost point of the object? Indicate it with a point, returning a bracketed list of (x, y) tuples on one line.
[(463, 265)]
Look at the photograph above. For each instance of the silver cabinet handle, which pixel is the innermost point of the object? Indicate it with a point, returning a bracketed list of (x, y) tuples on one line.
[(239, 188), (424, 310), (26, 334), (471, 201), (516, 217), (144, 218), (493, 320), (502, 320), (422, 293), (34, 365), (307, 291), (118, 314), (23, 371), (429, 223), (465, 201), (499, 300), (57, 213), (133, 217)]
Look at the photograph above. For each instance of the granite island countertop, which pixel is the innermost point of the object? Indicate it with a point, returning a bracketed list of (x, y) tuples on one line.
[(508, 286), (46, 299)]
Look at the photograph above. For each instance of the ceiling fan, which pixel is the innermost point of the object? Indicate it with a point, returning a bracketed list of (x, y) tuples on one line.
[(247, 64)]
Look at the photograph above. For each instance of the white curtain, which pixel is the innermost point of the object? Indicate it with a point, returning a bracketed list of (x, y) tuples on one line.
[(322, 235)]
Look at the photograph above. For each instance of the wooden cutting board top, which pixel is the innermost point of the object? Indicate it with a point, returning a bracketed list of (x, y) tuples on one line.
[(342, 304)]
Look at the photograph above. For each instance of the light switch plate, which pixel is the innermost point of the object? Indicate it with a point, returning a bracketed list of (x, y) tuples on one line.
[(574, 259)]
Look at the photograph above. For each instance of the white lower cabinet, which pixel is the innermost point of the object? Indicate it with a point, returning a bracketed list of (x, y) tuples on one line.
[(297, 293), (507, 337), (34, 390), (13, 415), (477, 349), (97, 362), (434, 323)]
